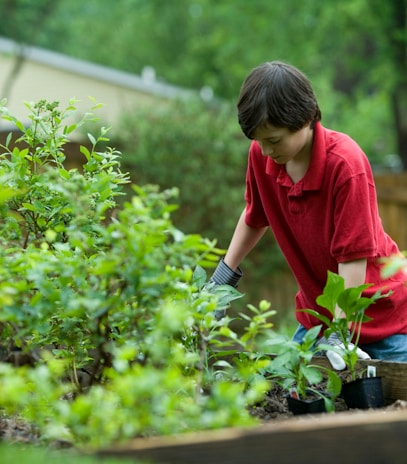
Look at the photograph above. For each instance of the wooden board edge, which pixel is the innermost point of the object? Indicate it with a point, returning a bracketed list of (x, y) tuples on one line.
[(380, 437)]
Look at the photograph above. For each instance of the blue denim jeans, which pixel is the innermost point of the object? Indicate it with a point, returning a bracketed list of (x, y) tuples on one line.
[(393, 348)]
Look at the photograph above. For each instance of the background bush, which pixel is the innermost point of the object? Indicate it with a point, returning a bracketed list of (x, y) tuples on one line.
[(201, 149)]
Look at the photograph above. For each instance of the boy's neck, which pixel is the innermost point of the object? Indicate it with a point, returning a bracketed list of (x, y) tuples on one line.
[(298, 166)]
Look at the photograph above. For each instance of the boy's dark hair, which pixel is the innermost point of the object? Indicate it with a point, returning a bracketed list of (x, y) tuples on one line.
[(279, 94)]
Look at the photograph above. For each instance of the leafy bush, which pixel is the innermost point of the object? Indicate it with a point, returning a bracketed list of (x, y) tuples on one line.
[(201, 150), (109, 300)]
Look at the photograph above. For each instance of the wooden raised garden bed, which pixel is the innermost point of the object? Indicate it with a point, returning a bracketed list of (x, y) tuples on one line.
[(372, 436)]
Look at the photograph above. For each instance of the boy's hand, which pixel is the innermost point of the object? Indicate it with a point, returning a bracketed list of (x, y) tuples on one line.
[(224, 275), (334, 357)]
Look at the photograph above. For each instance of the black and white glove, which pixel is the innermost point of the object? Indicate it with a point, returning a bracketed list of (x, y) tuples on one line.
[(223, 275), (334, 357)]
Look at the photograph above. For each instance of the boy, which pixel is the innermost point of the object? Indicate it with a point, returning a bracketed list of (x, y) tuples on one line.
[(315, 189)]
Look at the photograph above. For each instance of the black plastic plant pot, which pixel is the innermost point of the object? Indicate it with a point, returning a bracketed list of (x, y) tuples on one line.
[(306, 406), (363, 393)]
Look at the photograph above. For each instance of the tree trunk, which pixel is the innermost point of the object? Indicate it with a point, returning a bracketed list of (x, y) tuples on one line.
[(19, 59), (399, 103), (397, 41)]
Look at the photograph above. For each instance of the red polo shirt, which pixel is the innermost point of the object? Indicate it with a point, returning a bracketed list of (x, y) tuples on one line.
[(328, 217)]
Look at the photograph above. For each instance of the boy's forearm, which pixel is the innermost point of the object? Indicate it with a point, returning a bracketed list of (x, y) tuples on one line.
[(353, 273), (243, 241)]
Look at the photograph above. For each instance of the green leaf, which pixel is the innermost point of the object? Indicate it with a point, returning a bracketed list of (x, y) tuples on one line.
[(324, 319), (222, 363), (92, 139), (334, 384), (333, 288), (64, 173), (6, 194), (19, 125), (312, 334), (85, 152), (311, 374), (69, 129), (199, 277), (29, 206), (8, 139)]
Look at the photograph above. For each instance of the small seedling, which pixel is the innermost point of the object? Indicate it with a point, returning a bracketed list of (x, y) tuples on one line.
[(292, 368), (353, 306)]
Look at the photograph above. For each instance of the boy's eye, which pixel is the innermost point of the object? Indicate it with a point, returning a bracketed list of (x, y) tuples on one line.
[(274, 141)]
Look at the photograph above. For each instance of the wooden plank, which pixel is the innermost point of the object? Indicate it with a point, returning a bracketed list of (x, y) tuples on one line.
[(375, 437), (392, 201), (393, 194)]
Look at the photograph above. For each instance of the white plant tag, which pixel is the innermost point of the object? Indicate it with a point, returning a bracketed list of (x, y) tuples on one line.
[(371, 371)]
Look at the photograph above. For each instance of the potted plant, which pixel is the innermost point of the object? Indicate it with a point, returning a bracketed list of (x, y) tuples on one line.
[(292, 369), (364, 392)]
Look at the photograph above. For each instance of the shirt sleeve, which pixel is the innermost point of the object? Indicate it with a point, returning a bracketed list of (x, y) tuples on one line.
[(355, 220), (255, 214)]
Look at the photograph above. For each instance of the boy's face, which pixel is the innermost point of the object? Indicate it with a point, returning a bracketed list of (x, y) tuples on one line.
[(282, 145)]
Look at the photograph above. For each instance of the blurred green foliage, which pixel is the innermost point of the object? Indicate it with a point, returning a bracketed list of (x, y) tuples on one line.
[(352, 50), (24, 454), (200, 149), (196, 147)]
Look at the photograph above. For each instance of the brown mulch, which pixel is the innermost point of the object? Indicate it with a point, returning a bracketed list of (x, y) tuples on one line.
[(274, 406), (16, 430)]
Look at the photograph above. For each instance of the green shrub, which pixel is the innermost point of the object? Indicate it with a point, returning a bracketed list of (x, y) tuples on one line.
[(109, 300)]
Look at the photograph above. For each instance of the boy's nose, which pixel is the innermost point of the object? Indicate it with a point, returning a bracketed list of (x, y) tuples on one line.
[(266, 149)]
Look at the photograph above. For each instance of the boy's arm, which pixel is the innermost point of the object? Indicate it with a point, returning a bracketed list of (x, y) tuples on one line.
[(353, 273), (244, 239)]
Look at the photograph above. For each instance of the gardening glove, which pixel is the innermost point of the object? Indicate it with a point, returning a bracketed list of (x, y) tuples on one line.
[(335, 358), (224, 275)]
